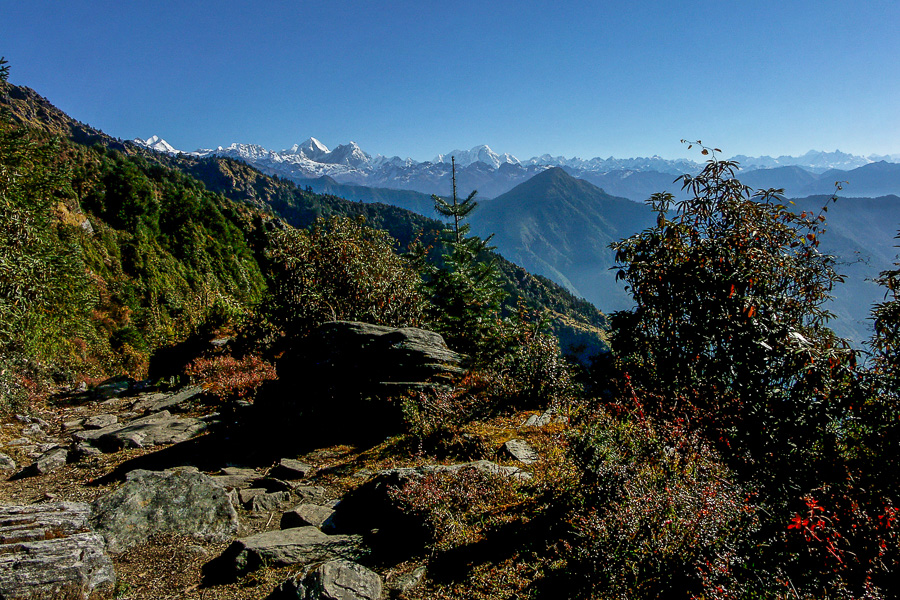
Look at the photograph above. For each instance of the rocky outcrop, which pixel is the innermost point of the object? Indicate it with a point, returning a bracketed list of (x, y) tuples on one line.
[(348, 368), (178, 501), (371, 358), (333, 580), (51, 551)]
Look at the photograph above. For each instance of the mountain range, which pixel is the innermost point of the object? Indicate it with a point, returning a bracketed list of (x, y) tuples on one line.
[(493, 174), (558, 220)]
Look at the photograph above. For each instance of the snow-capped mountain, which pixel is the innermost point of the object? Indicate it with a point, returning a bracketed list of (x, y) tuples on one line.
[(482, 153), (814, 161), (492, 173), (312, 149), (155, 142)]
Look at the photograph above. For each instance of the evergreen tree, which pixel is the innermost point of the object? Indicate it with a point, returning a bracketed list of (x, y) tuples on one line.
[(466, 293)]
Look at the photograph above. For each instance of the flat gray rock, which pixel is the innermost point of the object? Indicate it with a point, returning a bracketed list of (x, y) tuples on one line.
[(288, 468), (153, 430), (143, 402), (299, 545), (50, 551), (334, 580), (73, 425), (49, 461), (521, 451), (100, 421), (306, 515), (84, 449), (248, 494), (236, 478), (176, 401), (311, 494), (270, 501), (178, 501)]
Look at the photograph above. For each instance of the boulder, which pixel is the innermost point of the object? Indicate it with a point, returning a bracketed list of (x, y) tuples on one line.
[(521, 451), (333, 580), (298, 545), (50, 551), (50, 460), (177, 501), (347, 369), (7, 463)]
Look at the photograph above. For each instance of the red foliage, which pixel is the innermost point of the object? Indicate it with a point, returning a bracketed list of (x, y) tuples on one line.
[(228, 379)]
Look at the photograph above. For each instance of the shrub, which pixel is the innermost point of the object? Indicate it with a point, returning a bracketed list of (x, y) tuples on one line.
[(656, 513), (532, 372), (729, 328), (455, 508), (227, 379), (340, 270)]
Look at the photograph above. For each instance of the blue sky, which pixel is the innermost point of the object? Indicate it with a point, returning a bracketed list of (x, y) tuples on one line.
[(421, 78)]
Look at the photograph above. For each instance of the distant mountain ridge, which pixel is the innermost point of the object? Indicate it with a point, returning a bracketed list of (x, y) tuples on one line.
[(493, 174), (561, 227)]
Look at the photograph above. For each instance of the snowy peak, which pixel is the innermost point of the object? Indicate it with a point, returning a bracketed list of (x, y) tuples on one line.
[(482, 153), (814, 160), (312, 149), (156, 143), (346, 154)]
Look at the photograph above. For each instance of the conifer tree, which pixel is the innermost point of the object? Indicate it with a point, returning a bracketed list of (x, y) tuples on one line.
[(466, 293)]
